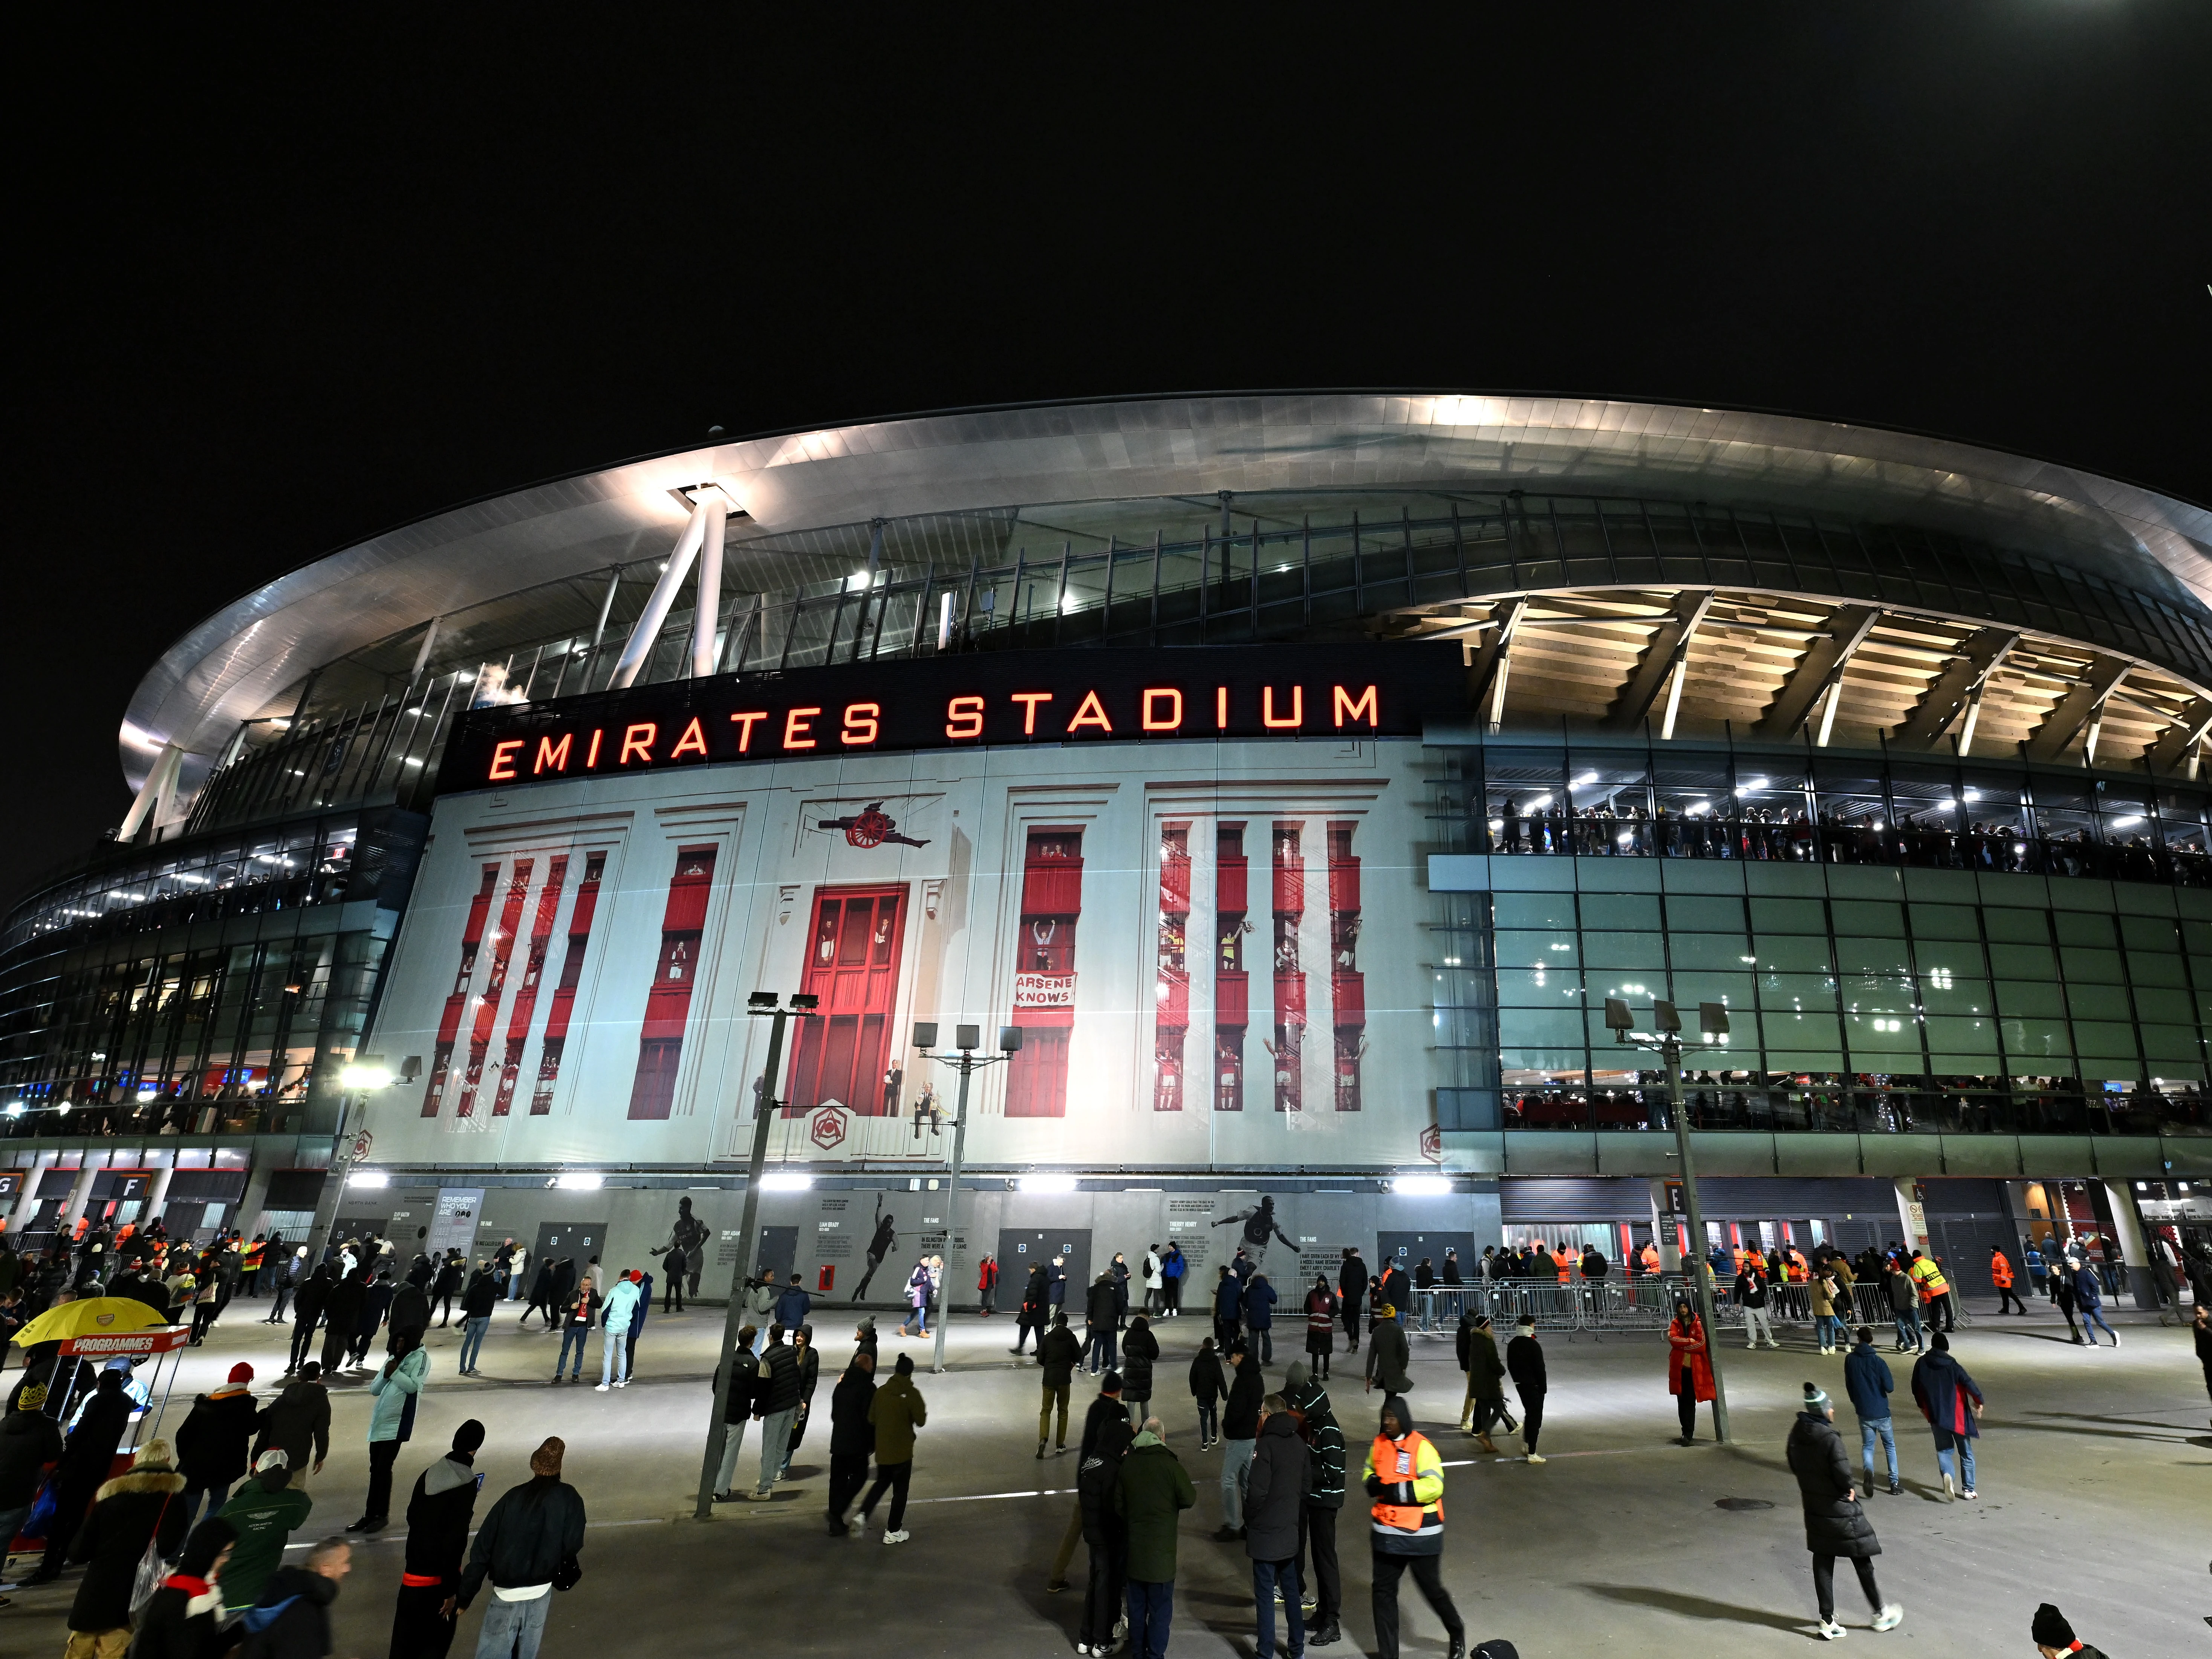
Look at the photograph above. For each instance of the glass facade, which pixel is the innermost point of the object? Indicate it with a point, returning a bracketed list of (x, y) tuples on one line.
[(1899, 946)]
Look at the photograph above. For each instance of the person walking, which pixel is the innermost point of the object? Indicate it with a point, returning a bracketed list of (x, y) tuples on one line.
[(1324, 1500), (534, 1533), (182, 1620), (2062, 1296), (852, 1438), (1689, 1368), (408, 1311), (1140, 1351), (917, 1301), (1867, 1378), (397, 1387), (736, 1410), (1388, 1352), (1240, 1431), (2090, 1297), (1835, 1526), (1484, 1402), (1274, 1507), (1058, 1354), (341, 1318), (578, 1312), (1259, 1312), (1525, 1362), (86, 1457), (1404, 1479), (447, 1285), (1950, 1402), (439, 1512), (1105, 1540), (213, 1442), (129, 1513), (264, 1512), (1903, 1307), (776, 1407), (307, 1300), (29, 1440), (2001, 1276), (895, 1412), (375, 1303), (541, 1297), (1101, 1308), (292, 1617), (1208, 1388), (298, 1424), (1152, 1489), (1032, 1315), (478, 1302), (810, 1375), (1321, 1325), (2038, 1271), (614, 1335)]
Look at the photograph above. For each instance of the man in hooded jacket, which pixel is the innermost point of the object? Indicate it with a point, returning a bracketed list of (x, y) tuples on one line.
[(438, 1515), (1404, 1481), (292, 1620), (1274, 1504), (129, 1512), (852, 1438), (1150, 1489), (1103, 1535), (1835, 1525), (83, 1470), (1324, 1438), (299, 1422), (531, 1532)]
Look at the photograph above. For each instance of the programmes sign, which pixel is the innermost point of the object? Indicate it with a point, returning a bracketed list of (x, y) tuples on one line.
[(985, 700)]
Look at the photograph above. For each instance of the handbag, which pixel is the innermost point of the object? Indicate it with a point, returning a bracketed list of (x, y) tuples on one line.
[(569, 1574), (152, 1568)]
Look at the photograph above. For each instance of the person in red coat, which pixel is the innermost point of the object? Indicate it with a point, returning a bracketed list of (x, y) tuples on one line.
[(986, 1284), (1689, 1368)]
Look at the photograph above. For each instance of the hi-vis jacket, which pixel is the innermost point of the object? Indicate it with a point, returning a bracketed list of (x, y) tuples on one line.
[(1930, 1277), (1409, 1512)]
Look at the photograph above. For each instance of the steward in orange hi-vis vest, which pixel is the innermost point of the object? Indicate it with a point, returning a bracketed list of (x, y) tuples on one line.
[(1405, 1477)]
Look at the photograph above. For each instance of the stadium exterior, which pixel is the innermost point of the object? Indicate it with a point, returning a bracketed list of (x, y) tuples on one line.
[(1299, 772)]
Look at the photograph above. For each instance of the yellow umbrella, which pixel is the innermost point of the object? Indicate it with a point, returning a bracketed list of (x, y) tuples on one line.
[(98, 1316)]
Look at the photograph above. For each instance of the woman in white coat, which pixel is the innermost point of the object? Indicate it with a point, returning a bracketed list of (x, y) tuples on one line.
[(1155, 1283)]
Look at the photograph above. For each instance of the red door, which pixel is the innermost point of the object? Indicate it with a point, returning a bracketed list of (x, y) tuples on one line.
[(853, 965)]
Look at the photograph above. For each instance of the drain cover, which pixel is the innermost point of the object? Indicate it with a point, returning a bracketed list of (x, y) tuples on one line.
[(1741, 1504)]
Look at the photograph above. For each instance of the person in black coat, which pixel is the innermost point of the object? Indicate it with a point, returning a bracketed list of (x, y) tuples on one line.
[(308, 1304), (1106, 1538), (212, 1442), (1274, 1513), (128, 1513), (447, 1285), (438, 1516), (83, 1471), (852, 1438), (1139, 1350), (1835, 1525), (1034, 1309), (375, 1303), (541, 1296), (183, 1619), (1102, 1306), (1351, 1290), (292, 1618), (1524, 1364), (341, 1314)]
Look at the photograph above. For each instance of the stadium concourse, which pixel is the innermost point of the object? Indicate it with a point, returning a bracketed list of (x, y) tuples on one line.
[(1623, 1540)]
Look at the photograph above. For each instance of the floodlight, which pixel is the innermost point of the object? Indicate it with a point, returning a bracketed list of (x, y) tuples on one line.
[(967, 1036), (1010, 1039), (805, 1000), (763, 1000), (925, 1033), (1663, 1016), (1712, 1019), (1617, 1016)]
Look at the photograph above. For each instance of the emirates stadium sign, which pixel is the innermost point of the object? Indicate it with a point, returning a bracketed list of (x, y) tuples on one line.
[(991, 700)]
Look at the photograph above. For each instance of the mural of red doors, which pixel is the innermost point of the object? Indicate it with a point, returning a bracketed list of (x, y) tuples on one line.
[(853, 965)]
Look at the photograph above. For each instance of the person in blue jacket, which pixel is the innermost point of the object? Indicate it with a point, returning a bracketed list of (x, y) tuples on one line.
[(1228, 1308), (794, 1307), (1866, 1374), (2089, 1296), (1260, 1315)]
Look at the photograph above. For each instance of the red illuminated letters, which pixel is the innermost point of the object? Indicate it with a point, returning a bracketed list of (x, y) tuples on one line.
[(1267, 706), (1090, 712), (1152, 694), (1221, 708), (502, 759), (1342, 704), (592, 758), (964, 718), (634, 744), (745, 723), (796, 726), (861, 719), (1029, 701), (693, 741), (552, 754)]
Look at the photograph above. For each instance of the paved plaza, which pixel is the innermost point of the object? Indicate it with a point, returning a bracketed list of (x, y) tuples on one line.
[(2095, 1474)]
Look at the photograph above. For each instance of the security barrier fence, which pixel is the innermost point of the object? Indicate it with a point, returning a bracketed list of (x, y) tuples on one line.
[(1643, 1303)]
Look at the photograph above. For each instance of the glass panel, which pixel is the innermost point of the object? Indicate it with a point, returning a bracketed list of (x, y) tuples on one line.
[(1722, 951), (1780, 916)]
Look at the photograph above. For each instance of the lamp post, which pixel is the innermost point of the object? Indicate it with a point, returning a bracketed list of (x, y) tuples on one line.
[(761, 1004), (966, 1039), (361, 1078), (1712, 1021)]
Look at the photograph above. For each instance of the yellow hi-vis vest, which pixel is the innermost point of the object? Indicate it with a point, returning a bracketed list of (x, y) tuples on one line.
[(1929, 1277), (1396, 1461)]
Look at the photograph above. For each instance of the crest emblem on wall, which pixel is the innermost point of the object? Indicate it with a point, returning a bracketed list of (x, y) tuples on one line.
[(827, 1128)]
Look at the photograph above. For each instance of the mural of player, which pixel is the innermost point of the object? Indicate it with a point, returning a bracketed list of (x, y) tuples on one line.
[(886, 1237), (1260, 1226)]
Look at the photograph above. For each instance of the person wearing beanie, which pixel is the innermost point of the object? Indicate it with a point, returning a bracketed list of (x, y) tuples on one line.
[(1324, 1500), (212, 1442), (1321, 1325), (1058, 1352), (895, 1412), (128, 1513), (1139, 1350), (438, 1516), (533, 1531), (2054, 1637), (86, 1457), (1404, 1477), (1950, 1402), (1107, 1434), (1868, 1379), (1835, 1525), (29, 1440), (264, 1512), (183, 1619), (1524, 1361), (1388, 1354)]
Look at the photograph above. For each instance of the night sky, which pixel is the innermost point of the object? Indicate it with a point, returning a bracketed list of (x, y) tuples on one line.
[(278, 291)]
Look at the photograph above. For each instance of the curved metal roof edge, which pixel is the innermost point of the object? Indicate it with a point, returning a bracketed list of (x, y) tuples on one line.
[(226, 635)]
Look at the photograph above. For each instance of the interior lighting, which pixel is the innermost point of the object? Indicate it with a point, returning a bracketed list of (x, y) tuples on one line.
[(1697, 806), (1540, 803), (1048, 1183), (1752, 786), (1586, 778), (580, 1183), (785, 1180), (14, 1108), (369, 1178), (2132, 818), (1971, 795), (1421, 1186), (367, 1072)]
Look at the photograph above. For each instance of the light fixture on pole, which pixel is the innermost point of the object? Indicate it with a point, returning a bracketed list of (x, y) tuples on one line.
[(360, 1078), (1712, 1024), (761, 1004), (966, 1039)]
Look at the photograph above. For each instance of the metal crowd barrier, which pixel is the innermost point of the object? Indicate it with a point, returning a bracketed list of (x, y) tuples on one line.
[(1642, 1303)]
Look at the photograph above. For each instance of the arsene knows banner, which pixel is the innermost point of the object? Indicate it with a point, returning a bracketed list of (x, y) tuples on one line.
[(986, 700)]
